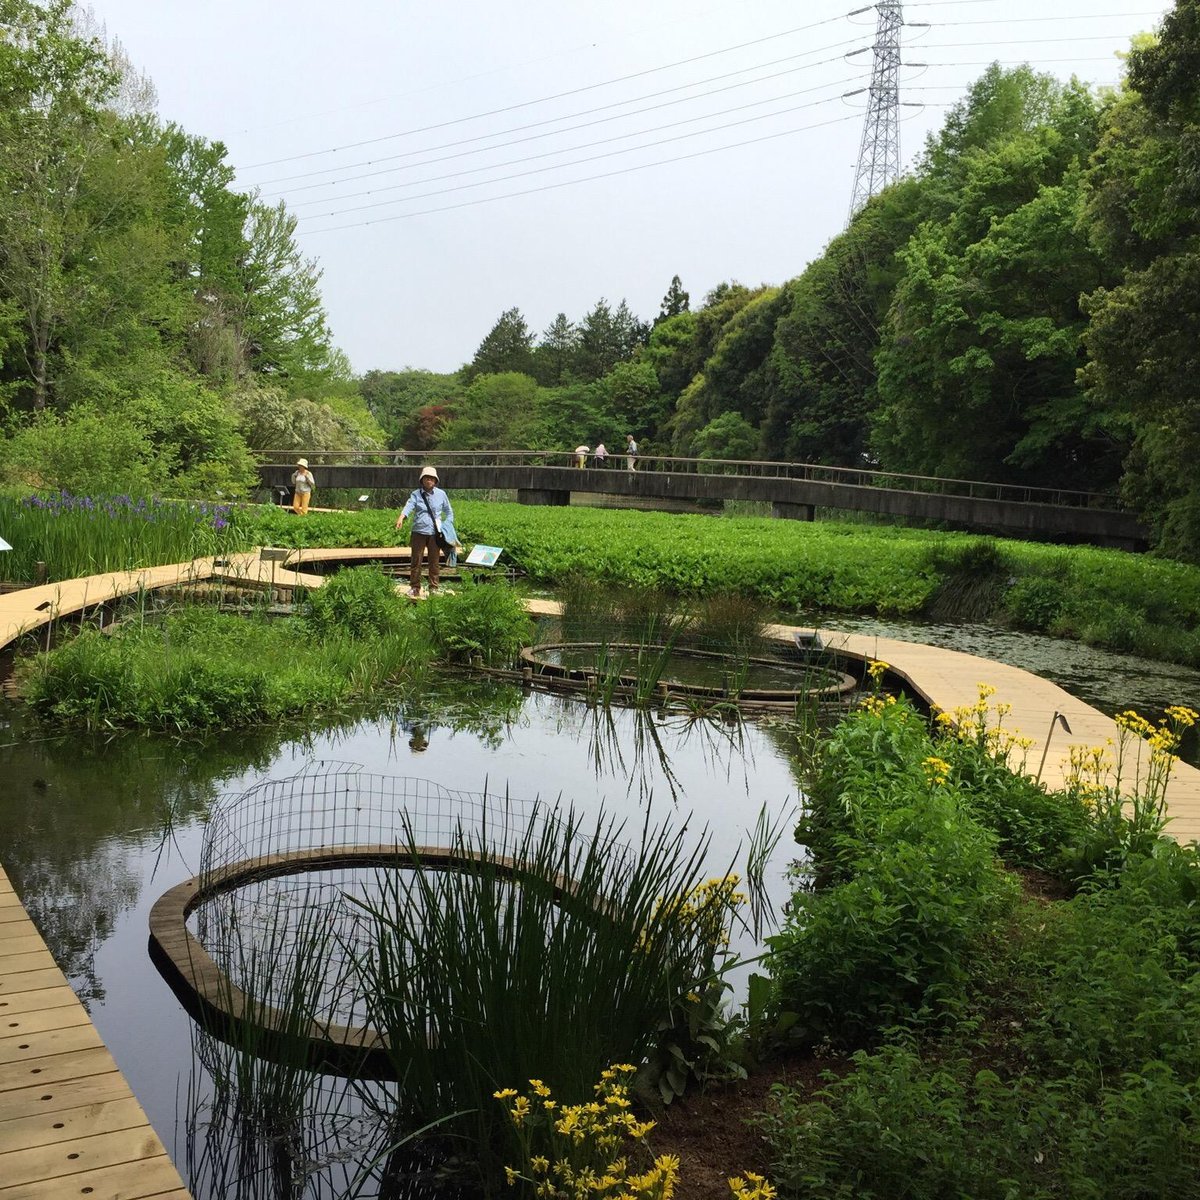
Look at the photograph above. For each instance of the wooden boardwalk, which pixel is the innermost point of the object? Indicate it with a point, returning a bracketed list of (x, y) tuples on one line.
[(69, 1125)]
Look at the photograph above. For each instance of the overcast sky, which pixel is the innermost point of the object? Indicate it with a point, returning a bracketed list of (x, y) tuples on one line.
[(511, 99)]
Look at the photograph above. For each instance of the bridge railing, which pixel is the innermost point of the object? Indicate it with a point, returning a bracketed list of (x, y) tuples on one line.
[(753, 468)]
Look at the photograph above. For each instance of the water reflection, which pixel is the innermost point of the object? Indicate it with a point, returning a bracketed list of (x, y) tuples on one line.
[(94, 831)]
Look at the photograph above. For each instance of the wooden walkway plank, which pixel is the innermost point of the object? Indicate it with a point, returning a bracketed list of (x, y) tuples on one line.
[(43, 1098), (30, 1045), (116, 1147), (61, 1016), (45, 1129), (69, 1124), (133, 1180)]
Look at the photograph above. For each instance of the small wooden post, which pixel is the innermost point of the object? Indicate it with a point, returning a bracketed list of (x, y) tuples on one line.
[(40, 573)]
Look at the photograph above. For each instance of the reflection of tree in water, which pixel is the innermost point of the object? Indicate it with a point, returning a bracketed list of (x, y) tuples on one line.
[(637, 744), (70, 807)]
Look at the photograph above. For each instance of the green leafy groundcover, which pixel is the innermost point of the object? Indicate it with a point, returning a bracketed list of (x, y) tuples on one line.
[(1001, 1047), (197, 668), (1106, 598)]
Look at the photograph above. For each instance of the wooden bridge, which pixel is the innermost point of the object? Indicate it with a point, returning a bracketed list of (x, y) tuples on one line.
[(794, 490)]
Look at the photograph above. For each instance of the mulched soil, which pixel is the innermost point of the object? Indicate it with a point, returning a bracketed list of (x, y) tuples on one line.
[(709, 1133)]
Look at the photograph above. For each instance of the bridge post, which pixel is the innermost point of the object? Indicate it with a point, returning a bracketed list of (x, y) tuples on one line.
[(551, 496), (793, 512)]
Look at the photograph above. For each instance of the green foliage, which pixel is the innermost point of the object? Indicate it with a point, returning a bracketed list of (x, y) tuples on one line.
[(728, 436), (912, 890), (497, 412), (787, 564), (1066, 1065), (397, 400), (199, 669), (479, 620), (360, 602), (577, 978)]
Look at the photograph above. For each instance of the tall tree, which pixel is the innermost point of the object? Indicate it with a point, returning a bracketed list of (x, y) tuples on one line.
[(508, 346), (53, 88), (556, 351), (674, 302), (1144, 211)]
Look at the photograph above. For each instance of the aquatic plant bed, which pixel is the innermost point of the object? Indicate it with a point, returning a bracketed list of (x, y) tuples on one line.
[(1122, 601), (602, 665)]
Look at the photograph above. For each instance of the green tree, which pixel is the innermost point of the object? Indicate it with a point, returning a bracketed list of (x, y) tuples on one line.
[(496, 412), (1144, 211), (281, 316), (979, 356), (395, 397), (728, 436), (555, 353), (676, 301), (53, 87), (607, 336), (507, 347)]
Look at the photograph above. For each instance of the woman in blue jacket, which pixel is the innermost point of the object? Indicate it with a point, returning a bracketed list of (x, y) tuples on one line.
[(428, 506)]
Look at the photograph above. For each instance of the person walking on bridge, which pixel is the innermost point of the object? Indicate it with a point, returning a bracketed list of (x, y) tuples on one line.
[(631, 452), (429, 507)]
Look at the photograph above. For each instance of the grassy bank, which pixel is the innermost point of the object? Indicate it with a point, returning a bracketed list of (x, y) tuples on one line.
[(1107, 598), (983, 1041)]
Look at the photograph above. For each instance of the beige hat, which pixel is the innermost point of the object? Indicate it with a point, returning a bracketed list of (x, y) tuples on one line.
[(432, 471), (302, 462)]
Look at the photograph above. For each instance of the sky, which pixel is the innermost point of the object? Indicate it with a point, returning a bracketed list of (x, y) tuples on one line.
[(450, 161)]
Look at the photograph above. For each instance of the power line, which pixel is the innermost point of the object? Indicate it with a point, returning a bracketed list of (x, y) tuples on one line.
[(591, 87), (577, 162), (555, 120), (586, 145), (585, 179), (1089, 17)]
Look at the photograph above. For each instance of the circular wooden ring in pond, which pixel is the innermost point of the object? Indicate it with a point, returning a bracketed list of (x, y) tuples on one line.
[(221, 1007), (822, 683)]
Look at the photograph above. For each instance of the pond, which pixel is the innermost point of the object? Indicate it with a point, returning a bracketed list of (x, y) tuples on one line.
[(95, 831)]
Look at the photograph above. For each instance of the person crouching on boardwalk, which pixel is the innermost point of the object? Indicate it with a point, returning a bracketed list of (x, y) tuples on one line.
[(428, 506)]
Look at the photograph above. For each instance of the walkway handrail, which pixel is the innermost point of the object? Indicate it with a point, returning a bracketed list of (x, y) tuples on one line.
[(759, 468)]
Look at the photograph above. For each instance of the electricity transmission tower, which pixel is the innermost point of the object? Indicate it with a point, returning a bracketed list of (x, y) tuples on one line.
[(879, 152)]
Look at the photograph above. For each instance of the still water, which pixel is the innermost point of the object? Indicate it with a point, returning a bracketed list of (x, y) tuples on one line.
[(94, 831)]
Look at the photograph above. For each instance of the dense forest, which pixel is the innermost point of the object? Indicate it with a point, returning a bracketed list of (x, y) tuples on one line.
[(154, 321), (1023, 306)]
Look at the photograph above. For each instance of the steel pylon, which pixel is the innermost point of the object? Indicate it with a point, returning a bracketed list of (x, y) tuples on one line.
[(879, 151)]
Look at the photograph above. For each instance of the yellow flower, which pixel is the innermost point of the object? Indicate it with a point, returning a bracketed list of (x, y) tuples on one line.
[(1183, 715), (876, 668)]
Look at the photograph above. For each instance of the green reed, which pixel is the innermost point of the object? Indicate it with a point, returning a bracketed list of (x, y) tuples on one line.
[(555, 952)]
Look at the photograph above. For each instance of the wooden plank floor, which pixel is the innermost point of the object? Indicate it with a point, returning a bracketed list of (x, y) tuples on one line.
[(69, 1125)]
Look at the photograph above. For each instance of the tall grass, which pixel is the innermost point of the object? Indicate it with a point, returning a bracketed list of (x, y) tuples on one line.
[(200, 669), (86, 535), (557, 951)]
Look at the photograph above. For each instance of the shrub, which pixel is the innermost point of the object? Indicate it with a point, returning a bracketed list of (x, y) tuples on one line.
[(1035, 603), (893, 944), (361, 602), (480, 620)]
